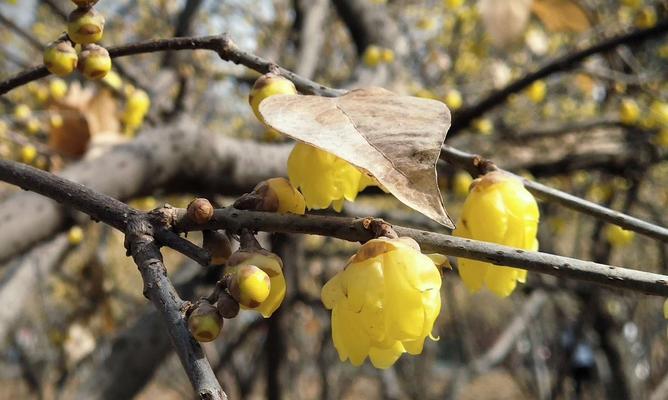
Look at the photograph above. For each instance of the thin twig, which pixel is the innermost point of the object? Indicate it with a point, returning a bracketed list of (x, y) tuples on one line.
[(476, 165), (221, 44)]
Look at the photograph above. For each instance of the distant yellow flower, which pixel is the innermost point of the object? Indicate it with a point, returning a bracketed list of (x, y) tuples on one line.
[(617, 236), (537, 91), (453, 99), (629, 111), (323, 178), (462, 183), (498, 210), (384, 302)]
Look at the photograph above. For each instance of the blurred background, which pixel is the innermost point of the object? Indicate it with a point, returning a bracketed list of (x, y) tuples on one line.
[(74, 323)]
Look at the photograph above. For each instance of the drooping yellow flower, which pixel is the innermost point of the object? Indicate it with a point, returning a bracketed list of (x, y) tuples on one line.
[(270, 264), (498, 210), (324, 178), (384, 302)]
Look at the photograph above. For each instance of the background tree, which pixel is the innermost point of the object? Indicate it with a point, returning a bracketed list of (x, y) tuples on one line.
[(570, 95)]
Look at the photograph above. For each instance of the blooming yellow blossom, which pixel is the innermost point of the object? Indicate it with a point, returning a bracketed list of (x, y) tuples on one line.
[(384, 302), (498, 210), (270, 264), (324, 178)]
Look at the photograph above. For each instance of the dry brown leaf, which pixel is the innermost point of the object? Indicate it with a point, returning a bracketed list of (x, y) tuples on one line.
[(561, 15), (397, 139), (504, 20), (87, 113)]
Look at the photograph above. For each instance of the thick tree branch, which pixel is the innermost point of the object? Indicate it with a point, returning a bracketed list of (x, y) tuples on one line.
[(477, 165), (159, 289), (463, 118), (356, 230), (180, 157), (98, 206)]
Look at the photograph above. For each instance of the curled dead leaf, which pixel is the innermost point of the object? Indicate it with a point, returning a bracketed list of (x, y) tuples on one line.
[(396, 139)]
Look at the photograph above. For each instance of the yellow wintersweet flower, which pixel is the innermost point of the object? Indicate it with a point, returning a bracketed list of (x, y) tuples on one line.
[(324, 178), (498, 210), (270, 264), (384, 302)]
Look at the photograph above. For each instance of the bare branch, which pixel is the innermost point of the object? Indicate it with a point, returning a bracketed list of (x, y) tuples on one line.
[(477, 165), (159, 289), (221, 44), (355, 230)]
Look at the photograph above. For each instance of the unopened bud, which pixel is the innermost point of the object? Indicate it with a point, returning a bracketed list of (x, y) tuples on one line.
[(249, 286), (204, 322), (94, 61), (218, 245), (60, 58), (85, 25), (84, 3), (200, 211), (227, 306)]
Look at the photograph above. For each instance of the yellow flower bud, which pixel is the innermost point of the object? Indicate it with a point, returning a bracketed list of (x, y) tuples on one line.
[(453, 3), (387, 56), (372, 56), (618, 237), (498, 210), (629, 111), (462, 183), (537, 91), (268, 85), (85, 26), (57, 88), (22, 112), (56, 120), (384, 302), (75, 235), (278, 195), (323, 178), (484, 126), (60, 58), (271, 265), (646, 18), (249, 285), (114, 80), (33, 126), (204, 322), (453, 99), (28, 153), (661, 138), (94, 61), (658, 114)]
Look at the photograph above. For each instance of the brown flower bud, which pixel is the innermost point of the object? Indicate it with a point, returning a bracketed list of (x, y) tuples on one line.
[(200, 211), (218, 244), (227, 306)]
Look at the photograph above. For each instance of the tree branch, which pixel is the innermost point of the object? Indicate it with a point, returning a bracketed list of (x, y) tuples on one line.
[(221, 44), (463, 118), (354, 230), (477, 165), (159, 289)]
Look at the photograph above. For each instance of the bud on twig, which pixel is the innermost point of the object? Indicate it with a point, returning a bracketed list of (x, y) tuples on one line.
[(200, 211)]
